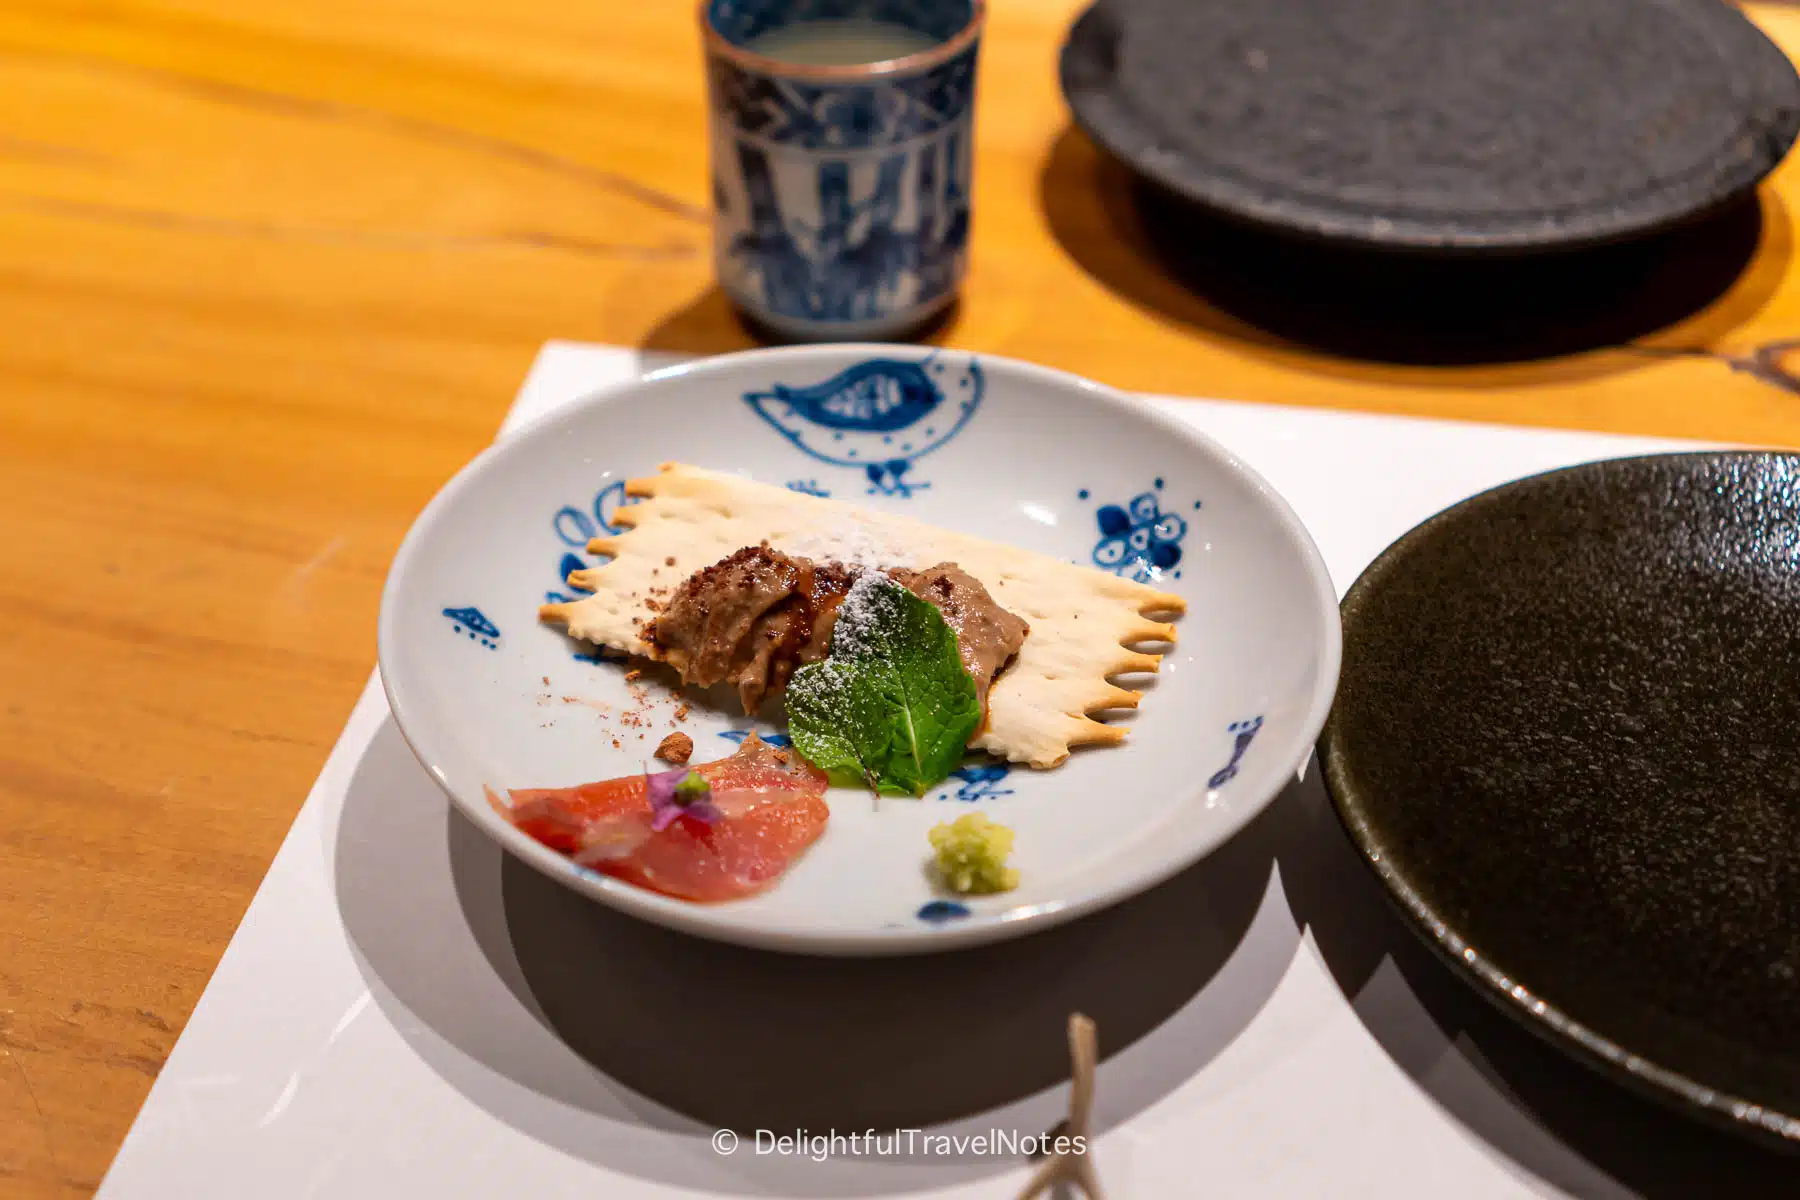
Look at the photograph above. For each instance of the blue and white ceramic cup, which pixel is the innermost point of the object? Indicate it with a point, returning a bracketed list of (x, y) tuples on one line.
[(841, 192)]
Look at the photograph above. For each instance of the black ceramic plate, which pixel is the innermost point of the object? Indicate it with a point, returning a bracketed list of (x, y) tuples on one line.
[(1567, 738), (1464, 125)]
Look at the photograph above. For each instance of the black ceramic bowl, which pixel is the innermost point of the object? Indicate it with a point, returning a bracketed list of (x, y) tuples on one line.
[(1567, 739), (1445, 125)]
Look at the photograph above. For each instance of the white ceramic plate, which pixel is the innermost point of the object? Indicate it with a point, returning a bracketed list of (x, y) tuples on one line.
[(1002, 449)]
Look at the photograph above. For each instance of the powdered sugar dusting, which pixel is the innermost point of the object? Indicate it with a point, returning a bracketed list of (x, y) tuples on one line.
[(859, 614), (854, 545)]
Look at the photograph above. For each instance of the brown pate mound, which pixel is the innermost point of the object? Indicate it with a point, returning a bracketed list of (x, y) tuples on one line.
[(755, 617)]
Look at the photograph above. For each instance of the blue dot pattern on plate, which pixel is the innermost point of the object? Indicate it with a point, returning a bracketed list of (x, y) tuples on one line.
[(937, 912), (1243, 733), (474, 623), (807, 487), (1138, 540), (879, 416)]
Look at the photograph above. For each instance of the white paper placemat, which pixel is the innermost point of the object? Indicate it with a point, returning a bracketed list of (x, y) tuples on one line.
[(376, 1028)]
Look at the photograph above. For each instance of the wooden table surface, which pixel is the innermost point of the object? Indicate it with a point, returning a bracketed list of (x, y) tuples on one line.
[(270, 273)]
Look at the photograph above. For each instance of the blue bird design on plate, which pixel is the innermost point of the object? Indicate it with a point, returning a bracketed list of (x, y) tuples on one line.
[(1139, 541), (881, 415), (474, 622), (1243, 733)]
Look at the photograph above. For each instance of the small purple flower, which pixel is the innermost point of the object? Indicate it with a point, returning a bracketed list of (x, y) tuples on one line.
[(680, 792)]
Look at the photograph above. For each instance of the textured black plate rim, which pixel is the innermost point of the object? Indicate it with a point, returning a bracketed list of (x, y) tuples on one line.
[(1509, 995), (1086, 76)]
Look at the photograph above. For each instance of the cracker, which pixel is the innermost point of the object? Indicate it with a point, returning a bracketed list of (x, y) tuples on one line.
[(1086, 625)]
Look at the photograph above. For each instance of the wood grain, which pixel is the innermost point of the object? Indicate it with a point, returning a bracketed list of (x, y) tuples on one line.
[(269, 274)]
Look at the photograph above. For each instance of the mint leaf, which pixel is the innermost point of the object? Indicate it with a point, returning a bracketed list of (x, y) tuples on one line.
[(836, 721), (893, 706), (930, 696)]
